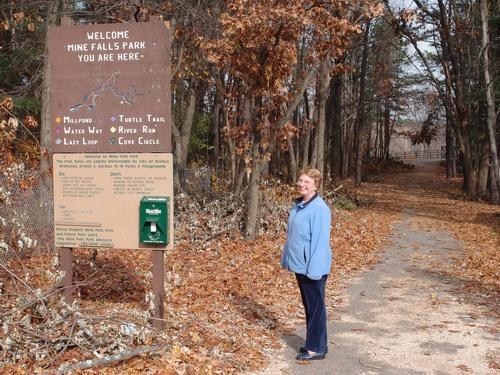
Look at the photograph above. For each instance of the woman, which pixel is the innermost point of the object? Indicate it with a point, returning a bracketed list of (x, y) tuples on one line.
[(307, 253)]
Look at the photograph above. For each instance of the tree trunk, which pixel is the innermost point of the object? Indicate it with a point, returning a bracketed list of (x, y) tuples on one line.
[(247, 119), (451, 168), (187, 125), (293, 160), (378, 132), (250, 232), (11, 21), (484, 166), (324, 83), (349, 125), (495, 193), (218, 108), (470, 175), (307, 130), (219, 117), (368, 147), (314, 153), (490, 93), (387, 128), (348, 143), (253, 196), (336, 124), (360, 118), (55, 7), (179, 180), (232, 153), (238, 184), (181, 136)]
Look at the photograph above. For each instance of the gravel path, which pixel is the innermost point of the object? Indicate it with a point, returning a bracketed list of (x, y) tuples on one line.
[(404, 317)]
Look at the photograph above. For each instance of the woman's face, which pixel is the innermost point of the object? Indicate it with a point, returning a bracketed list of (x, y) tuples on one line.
[(306, 186)]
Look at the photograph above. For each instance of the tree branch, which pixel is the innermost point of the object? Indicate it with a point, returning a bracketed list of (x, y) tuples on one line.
[(122, 356)]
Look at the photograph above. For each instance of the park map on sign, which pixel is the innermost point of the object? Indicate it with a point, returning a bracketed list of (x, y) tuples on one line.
[(89, 100)]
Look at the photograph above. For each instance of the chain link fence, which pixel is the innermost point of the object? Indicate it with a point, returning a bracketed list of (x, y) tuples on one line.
[(26, 212), (423, 154), (197, 180), (27, 208)]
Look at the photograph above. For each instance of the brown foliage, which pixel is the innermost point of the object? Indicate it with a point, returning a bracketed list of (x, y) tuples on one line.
[(226, 299), (12, 150), (267, 47), (440, 204)]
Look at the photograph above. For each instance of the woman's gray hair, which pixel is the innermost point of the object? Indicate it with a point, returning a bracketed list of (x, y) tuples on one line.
[(314, 174)]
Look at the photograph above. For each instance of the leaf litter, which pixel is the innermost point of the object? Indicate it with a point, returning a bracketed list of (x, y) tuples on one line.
[(227, 302)]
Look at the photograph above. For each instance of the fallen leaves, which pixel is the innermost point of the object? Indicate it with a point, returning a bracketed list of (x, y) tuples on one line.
[(493, 360), (227, 302), (439, 205), (464, 368)]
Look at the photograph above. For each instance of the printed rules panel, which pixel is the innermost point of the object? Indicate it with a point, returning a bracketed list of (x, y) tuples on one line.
[(97, 197)]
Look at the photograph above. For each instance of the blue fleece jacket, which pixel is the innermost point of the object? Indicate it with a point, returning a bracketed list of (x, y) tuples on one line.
[(307, 248)]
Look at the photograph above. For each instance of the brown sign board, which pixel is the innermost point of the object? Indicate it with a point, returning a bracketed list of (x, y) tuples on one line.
[(110, 88), (97, 197)]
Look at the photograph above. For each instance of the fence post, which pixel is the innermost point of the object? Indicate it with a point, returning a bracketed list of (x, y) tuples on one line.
[(66, 258), (158, 288)]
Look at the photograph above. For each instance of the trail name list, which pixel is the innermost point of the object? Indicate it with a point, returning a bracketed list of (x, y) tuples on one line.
[(124, 130)]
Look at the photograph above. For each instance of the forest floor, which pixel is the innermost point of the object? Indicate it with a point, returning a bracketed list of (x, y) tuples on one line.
[(411, 313), (229, 306)]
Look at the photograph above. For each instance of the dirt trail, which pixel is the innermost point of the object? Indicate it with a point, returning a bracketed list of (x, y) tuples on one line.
[(404, 316)]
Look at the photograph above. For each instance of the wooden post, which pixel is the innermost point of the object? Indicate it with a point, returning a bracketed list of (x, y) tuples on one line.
[(158, 288), (66, 21), (66, 259)]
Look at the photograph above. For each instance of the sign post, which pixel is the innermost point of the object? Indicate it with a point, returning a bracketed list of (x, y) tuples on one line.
[(158, 288), (111, 141), (66, 257)]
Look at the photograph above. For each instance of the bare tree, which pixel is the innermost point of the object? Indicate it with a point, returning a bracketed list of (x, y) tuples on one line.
[(490, 100), (361, 111)]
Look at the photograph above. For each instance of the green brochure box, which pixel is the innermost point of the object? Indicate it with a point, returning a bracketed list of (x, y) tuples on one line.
[(153, 220)]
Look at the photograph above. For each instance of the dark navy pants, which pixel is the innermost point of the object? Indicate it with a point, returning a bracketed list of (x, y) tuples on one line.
[(313, 299)]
